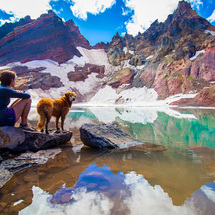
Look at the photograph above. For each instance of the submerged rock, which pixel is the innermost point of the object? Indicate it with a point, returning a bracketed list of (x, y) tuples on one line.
[(201, 150), (28, 159), (5, 176), (23, 161), (105, 136), (19, 140)]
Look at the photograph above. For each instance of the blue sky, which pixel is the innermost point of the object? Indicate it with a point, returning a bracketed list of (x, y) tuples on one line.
[(99, 20)]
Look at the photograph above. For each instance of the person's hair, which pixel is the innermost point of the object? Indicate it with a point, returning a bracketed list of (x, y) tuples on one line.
[(7, 76)]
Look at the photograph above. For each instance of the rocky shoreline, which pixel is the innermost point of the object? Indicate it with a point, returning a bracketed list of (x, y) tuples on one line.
[(21, 149)]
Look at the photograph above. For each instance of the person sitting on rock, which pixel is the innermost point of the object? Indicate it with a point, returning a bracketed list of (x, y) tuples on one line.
[(20, 107)]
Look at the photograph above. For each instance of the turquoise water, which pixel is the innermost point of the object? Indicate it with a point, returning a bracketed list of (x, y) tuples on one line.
[(182, 128), (180, 180)]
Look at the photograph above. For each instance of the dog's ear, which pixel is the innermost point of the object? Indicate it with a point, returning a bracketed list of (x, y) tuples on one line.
[(67, 96)]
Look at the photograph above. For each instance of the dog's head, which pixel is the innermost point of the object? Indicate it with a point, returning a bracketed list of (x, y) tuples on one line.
[(70, 96)]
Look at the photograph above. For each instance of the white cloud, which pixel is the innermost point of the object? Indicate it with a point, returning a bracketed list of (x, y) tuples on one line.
[(196, 3), (85, 203), (143, 199), (212, 17), (146, 199), (209, 192), (146, 12), (80, 8), (22, 8), (126, 11), (3, 21)]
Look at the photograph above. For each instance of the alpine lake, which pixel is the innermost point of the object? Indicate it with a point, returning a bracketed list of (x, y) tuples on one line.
[(80, 180)]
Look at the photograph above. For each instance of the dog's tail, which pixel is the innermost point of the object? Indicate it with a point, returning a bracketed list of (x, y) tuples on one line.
[(41, 122), (44, 110)]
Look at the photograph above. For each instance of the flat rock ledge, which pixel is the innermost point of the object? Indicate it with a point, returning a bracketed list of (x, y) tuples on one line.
[(19, 140), (23, 161), (110, 136), (33, 148)]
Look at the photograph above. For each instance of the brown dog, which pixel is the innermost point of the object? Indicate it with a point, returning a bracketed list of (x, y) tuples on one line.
[(46, 108)]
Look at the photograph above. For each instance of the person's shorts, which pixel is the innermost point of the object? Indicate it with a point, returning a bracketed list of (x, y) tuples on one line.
[(9, 118)]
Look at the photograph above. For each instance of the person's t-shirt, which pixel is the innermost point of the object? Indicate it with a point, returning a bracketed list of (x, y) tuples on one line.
[(5, 94)]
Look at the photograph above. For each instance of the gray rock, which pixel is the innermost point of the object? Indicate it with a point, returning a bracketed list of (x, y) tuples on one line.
[(35, 141), (28, 159), (19, 140), (5, 176), (23, 161), (11, 137), (111, 136)]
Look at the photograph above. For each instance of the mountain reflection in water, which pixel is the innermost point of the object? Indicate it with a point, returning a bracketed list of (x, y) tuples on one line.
[(89, 181)]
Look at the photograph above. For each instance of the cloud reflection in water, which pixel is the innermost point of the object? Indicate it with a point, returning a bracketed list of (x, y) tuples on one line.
[(100, 191)]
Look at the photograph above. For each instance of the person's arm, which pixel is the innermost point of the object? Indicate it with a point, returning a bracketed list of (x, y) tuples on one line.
[(14, 94)]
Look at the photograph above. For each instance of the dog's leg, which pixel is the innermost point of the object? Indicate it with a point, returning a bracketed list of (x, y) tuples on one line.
[(56, 122), (47, 122), (62, 122)]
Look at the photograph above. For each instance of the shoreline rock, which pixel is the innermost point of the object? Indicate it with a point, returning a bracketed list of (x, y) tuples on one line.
[(18, 140), (110, 136), (22, 149), (25, 160)]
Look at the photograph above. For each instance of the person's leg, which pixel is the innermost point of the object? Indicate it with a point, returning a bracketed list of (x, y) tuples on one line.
[(22, 108)]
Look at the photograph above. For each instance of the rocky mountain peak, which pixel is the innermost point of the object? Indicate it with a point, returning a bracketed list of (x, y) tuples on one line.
[(186, 19), (116, 38), (184, 9), (47, 37), (167, 52), (51, 13)]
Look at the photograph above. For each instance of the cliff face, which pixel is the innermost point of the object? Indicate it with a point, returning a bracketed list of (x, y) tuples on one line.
[(168, 53), (183, 32), (48, 37)]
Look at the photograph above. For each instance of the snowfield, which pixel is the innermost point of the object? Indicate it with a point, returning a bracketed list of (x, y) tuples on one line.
[(106, 96), (98, 57)]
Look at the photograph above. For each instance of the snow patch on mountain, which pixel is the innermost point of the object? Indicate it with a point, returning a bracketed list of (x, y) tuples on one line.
[(93, 56), (103, 96), (126, 50), (211, 32), (197, 54), (132, 97)]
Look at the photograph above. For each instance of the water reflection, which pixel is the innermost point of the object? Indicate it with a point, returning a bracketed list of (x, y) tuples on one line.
[(100, 191), (141, 115), (88, 181), (172, 128)]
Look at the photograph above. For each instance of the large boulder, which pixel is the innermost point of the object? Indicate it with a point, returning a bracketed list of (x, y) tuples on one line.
[(125, 76), (18, 140), (81, 73), (110, 136), (35, 78)]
